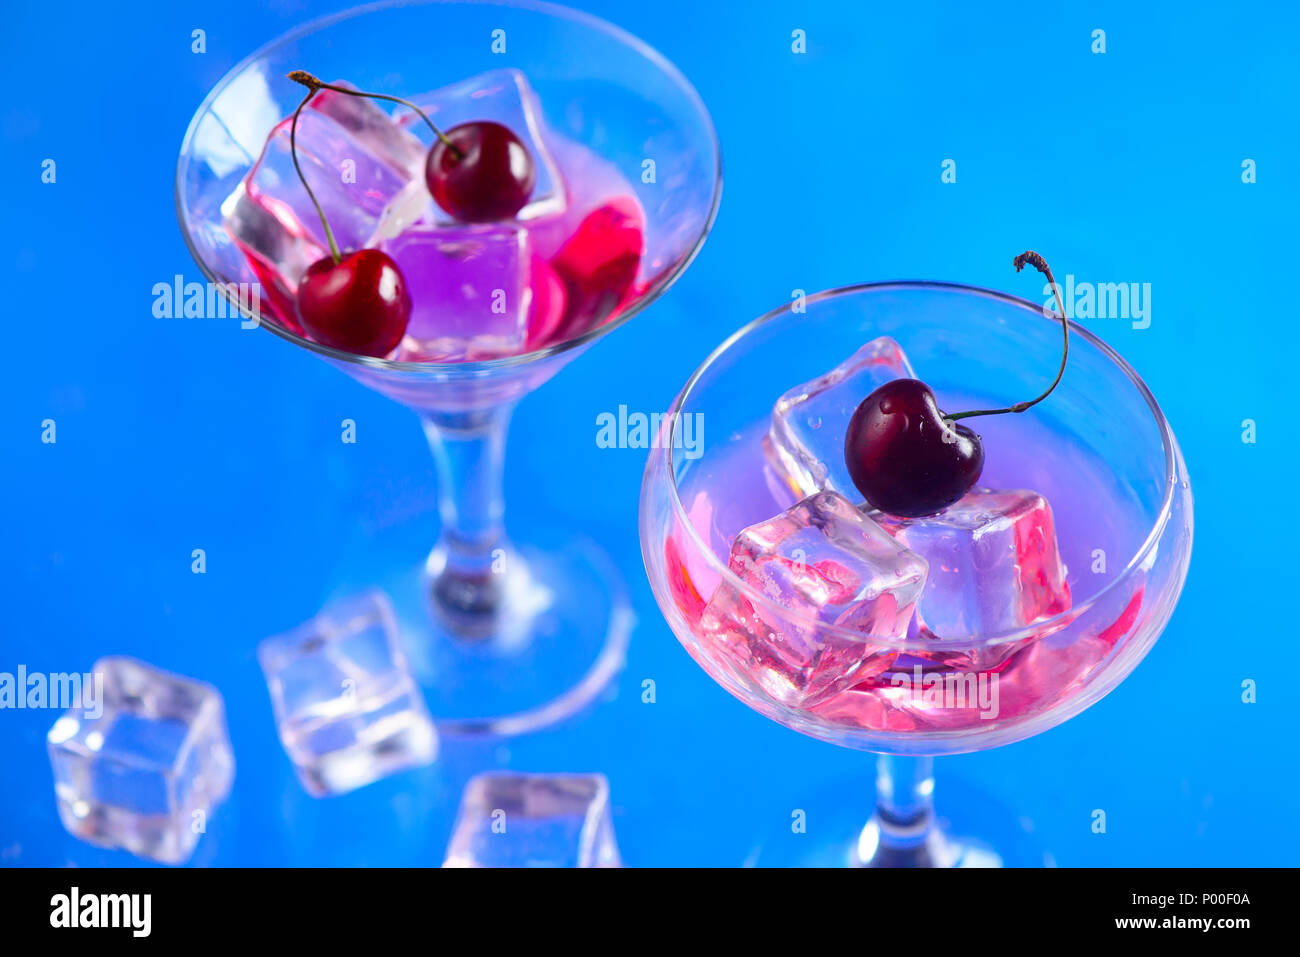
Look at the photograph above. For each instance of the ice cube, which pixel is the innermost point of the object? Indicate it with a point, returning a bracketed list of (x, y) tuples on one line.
[(806, 440), (355, 157), (411, 205), (470, 290), (505, 97), (383, 136), (351, 184), (585, 261), (994, 568), (534, 820), (144, 766), (822, 562), (347, 708), (277, 247)]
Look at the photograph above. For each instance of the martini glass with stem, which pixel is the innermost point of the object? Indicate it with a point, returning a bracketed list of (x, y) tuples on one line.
[(1099, 450), (505, 634)]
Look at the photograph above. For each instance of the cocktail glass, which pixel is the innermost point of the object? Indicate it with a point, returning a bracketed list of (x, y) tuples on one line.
[(1099, 450), (503, 635)]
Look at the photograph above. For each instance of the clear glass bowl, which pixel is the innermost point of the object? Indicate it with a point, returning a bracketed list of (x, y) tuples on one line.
[(501, 632), (1099, 449)]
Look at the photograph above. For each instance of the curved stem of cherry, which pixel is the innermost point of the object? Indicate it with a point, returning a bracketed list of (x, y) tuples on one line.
[(293, 151), (313, 84), (1037, 261)]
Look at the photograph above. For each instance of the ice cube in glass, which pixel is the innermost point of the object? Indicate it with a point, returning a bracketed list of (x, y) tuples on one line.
[(346, 706), (502, 96), (370, 125), (820, 563), (534, 820), (355, 157), (806, 439), (470, 290), (994, 568), (143, 768)]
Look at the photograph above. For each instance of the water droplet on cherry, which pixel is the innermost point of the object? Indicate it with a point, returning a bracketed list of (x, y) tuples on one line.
[(907, 459)]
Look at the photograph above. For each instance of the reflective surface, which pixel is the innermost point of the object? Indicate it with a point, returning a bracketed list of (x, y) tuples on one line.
[(175, 434)]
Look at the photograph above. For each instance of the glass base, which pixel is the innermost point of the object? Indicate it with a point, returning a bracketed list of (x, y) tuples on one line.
[(971, 830), (559, 639)]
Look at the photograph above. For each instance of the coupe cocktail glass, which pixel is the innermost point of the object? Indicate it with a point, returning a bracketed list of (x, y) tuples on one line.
[(1099, 450), (504, 636)]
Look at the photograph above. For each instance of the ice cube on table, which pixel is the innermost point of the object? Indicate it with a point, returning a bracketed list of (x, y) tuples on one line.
[(805, 442), (994, 569), (139, 766), (470, 290), (534, 820), (504, 97), (347, 709), (822, 562)]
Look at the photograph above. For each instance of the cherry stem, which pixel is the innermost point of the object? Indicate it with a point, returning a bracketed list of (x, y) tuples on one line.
[(293, 151), (313, 84), (1037, 261)]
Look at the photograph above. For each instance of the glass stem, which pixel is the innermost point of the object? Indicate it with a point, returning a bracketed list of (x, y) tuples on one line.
[(466, 564), (901, 832)]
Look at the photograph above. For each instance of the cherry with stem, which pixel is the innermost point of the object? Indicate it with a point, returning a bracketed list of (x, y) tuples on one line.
[(1039, 263), (908, 458), (314, 83), (478, 172), (355, 301)]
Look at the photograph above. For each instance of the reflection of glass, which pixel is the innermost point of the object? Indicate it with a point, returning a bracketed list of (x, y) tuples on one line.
[(1099, 451), (502, 637)]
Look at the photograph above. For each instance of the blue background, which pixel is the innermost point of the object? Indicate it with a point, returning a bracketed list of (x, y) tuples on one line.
[(178, 434)]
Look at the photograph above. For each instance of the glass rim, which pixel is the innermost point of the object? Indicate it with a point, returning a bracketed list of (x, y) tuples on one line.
[(478, 367), (1047, 626)]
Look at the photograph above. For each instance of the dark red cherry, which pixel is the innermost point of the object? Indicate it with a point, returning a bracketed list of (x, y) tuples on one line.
[(480, 172), (907, 459), (359, 304)]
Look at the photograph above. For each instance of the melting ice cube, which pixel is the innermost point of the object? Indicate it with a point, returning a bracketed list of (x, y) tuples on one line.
[(806, 439), (136, 769), (534, 820), (505, 97), (994, 568), (822, 562), (347, 708), (382, 135), (470, 290), (277, 247), (355, 157)]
